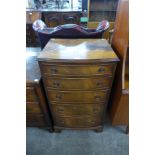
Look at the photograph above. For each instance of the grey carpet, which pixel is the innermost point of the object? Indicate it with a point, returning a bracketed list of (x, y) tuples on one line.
[(112, 141)]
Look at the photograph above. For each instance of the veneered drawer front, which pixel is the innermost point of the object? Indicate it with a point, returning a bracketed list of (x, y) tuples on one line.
[(78, 83), (77, 96), (76, 70), (33, 107), (77, 109), (78, 122), (31, 95)]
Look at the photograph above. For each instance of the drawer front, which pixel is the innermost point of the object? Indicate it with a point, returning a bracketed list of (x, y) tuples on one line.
[(78, 83), (33, 107), (77, 109), (77, 96), (77, 70), (31, 95), (78, 122)]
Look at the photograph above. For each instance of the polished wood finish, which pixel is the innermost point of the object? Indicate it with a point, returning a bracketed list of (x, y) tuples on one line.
[(37, 113), (31, 16), (78, 75), (75, 109), (75, 70), (78, 122), (119, 110), (77, 96), (78, 50), (78, 83)]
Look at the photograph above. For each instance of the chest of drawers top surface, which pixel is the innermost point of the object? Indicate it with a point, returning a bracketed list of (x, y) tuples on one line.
[(32, 67), (78, 50)]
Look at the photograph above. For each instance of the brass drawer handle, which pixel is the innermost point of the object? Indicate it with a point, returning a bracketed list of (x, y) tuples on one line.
[(54, 70), (60, 109), (101, 69), (56, 84), (59, 97), (92, 122), (100, 84), (95, 109), (98, 98)]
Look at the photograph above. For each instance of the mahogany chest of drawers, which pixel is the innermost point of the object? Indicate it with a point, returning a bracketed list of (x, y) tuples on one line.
[(77, 76), (37, 114)]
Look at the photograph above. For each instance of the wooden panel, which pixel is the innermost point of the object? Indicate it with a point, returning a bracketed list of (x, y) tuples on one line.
[(121, 28), (36, 120), (32, 16), (78, 122), (77, 96), (36, 106), (77, 109), (119, 109), (31, 95), (103, 69), (120, 114), (33, 108), (78, 83), (32, 39)]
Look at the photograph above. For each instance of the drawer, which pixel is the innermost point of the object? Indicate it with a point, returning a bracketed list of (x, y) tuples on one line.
[(31, 95), (77, 109), (78, 122), (33, 107), (77, 83), (76, 70), (77, 96)]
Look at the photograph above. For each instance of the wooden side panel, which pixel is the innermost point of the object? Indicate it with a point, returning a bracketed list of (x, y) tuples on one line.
[(119, 102), (120, 40), (120, 114)]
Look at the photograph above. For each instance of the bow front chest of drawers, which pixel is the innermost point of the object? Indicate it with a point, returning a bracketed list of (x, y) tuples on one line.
[(78, 75)]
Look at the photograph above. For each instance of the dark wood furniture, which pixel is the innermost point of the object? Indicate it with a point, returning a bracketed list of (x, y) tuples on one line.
[(55, 18), (37, 114), (31, 36), (119, 109), (78, 75)]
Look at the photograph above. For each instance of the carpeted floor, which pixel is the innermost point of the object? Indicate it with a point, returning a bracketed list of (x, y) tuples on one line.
[(112, 141)]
